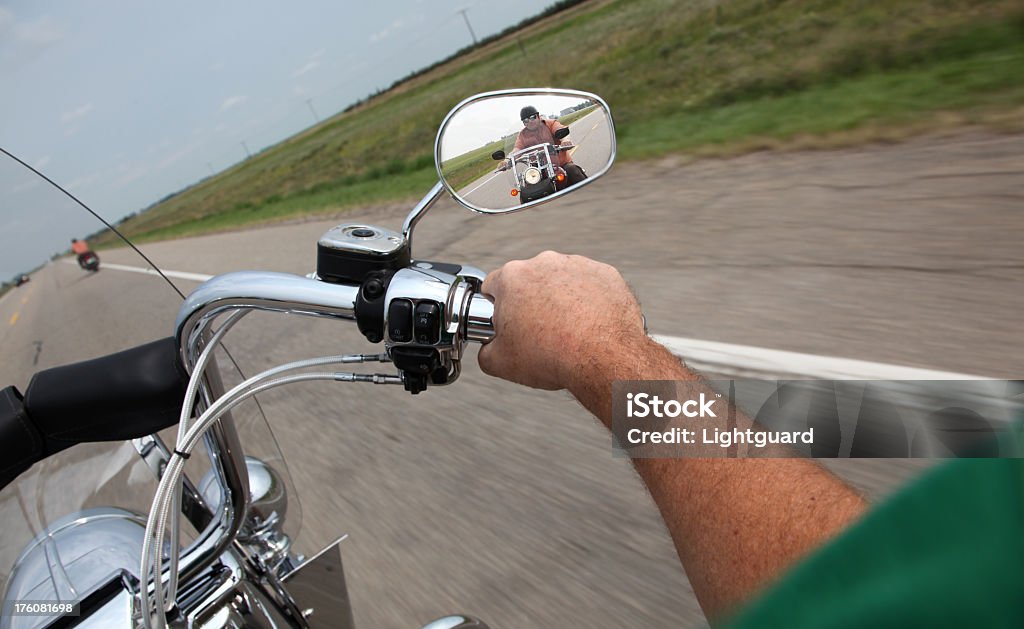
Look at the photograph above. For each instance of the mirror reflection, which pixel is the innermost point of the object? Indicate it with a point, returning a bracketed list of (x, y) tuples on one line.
[(502, 152)]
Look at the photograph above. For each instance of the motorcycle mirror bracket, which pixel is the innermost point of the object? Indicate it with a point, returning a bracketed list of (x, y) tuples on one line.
[(419, 211)]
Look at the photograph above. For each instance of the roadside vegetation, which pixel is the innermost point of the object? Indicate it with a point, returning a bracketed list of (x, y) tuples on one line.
[(697, 78)]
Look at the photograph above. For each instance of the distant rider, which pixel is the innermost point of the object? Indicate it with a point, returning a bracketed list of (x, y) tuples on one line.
[(539, 130), (81, 249)]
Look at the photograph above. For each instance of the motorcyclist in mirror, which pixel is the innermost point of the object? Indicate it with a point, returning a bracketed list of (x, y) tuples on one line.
[(539, 130), (765, 541)]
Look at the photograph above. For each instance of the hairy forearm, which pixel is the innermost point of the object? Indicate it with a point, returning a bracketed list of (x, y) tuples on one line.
[(736, 523), (564, 321)]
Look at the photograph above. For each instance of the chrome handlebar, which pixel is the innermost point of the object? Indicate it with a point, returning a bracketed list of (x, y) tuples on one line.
[(274, 292), (281, 292)]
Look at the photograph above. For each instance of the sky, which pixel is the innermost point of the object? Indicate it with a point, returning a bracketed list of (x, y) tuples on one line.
[(124, 102)]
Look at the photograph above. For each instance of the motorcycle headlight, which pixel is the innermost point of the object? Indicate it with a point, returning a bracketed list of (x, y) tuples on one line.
[(531, 175)]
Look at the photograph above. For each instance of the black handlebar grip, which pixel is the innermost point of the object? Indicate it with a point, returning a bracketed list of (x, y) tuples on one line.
[(112, 398)]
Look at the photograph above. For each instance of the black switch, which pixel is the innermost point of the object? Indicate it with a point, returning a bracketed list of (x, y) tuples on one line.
[(400, 320), (427, 326)]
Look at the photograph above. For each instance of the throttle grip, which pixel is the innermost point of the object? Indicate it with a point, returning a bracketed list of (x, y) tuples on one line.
[(480, 320)]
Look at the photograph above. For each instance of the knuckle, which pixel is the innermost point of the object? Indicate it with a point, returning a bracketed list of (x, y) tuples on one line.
[(513, 269)]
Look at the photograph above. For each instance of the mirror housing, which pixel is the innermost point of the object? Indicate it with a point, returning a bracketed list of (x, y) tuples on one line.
[(570, 144)]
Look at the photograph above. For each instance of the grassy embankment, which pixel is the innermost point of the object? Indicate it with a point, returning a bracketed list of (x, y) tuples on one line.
[(696, 78)]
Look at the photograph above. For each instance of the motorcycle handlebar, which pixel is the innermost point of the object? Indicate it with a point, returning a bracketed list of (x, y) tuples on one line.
[(280, 292), (276, 292)]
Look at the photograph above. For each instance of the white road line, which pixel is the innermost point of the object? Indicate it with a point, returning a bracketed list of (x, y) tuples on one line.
[(733, 360), (747, 361), (181, 275), (482, 184)]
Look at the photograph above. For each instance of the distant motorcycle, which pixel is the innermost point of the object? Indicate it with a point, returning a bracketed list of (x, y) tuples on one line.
[(89, 261)]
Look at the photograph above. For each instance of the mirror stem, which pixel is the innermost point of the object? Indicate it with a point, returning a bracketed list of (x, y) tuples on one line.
[(417, 212)]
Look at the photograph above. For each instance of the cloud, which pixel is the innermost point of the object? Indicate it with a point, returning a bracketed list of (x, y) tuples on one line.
[(42, 163), (310, 66), (81, 182), (42, 32), (387, 31), (25, 185), (177, 155), (75, 114), (232, 101), (216, 67), (128, 175)]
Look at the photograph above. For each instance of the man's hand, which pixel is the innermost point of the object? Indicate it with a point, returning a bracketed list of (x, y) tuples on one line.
[(556, 317)]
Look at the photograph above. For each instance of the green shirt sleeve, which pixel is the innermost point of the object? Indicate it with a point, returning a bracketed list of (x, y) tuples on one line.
[(948, 551)]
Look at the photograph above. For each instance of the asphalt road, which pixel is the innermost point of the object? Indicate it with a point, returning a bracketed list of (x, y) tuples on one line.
[(593, 149), (506, 503)]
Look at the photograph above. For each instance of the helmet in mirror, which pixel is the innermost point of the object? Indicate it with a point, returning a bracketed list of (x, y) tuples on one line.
[(492, 162)]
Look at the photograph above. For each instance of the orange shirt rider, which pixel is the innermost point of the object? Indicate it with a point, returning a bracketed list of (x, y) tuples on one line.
[(78, 247), (540, 130)]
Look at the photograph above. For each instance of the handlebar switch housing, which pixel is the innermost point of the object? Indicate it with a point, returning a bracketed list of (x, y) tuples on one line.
[(427, 306)]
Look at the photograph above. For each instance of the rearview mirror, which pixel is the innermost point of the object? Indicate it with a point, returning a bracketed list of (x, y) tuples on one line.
[(547, 142)]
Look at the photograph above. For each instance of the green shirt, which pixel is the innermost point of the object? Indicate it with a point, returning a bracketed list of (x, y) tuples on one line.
[(948, 551)]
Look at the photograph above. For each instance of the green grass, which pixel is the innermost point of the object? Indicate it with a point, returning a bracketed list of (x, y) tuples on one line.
[(900, 100), (472, 165), (576, 115), (694, 77)]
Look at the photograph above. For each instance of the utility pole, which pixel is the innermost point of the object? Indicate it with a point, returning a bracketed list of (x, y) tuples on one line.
[(246, 147), (471, 33), (309, 101)]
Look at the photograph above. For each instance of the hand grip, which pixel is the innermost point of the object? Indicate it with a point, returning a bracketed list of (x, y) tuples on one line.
[(480, 321)]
